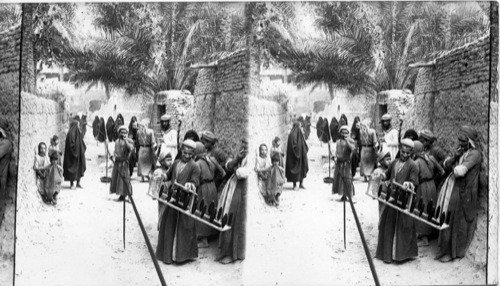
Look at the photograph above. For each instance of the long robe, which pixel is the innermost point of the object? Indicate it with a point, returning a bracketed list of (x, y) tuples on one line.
[(74, 164), (461, 193), (391, 143), (426, 191), (53, 180), (342, 177), (307, 127), (233, 199), (169, 142), (132, 134), (6, 149), (177, 237), (146, 156), (222, 158), (368, 152), (120, 177), (40, 166), (159, 178), (297, 165), (397, 230), (261, 167), (207, 191), (275, 181)]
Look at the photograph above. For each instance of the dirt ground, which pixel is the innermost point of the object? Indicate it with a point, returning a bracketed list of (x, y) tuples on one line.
[(79, 242)]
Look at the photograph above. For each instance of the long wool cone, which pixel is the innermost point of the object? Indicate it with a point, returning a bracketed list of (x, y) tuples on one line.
[(325, 137), (110, 129), (101, 137), (319, 129), (95, 127), (334, 129)]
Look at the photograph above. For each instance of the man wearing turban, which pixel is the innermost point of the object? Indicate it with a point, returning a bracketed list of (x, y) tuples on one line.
[(397, 230), (390, 141), (434, 152), (342, 179), (459, 196), (169, 136), (120, 177), (177, 237)]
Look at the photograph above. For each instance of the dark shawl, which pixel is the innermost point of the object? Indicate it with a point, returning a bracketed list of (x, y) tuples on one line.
[(110, 129), (74, 164), (296, 155)]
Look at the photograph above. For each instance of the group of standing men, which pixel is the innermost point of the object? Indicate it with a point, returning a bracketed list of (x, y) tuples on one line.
[(199, 165), (450, 182)]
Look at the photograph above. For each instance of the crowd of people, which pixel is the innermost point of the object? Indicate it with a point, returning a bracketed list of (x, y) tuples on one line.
[(198, 164), (450, 182)]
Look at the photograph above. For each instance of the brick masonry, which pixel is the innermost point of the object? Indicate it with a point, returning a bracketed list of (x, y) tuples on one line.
[(221, 97), (10, 57), (455, 91)]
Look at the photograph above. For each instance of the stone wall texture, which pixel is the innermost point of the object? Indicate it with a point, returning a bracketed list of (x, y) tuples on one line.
[(10, 61), (221, 101), (455, 91), (40, 120)]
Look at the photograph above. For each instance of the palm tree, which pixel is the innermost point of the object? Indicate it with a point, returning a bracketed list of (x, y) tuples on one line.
[(417, 31), (148, 47), (342, 58)]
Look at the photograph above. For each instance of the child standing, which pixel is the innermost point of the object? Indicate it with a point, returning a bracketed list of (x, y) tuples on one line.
[(54, 147), (276, 149), (275, 180), (262, 163)]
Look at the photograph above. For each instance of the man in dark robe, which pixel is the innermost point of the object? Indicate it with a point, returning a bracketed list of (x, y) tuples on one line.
[(342, 178), (397, 230), (233, 199), (459, 196), (210, 141), (296, 166), (6, 149), (120, 177), (74, 164), (177, 237)]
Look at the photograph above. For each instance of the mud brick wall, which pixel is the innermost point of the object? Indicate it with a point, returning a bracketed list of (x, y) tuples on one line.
[(40, 120), (455, 92), (221, 101), (267, 119), (10, 57)]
